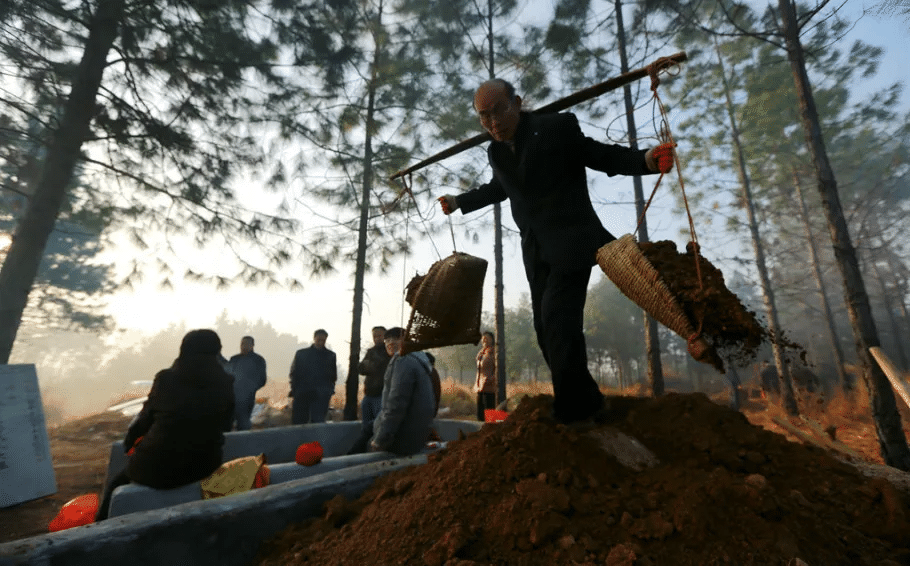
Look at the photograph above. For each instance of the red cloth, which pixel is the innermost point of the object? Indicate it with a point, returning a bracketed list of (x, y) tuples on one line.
[(309, 454), (75, 513)]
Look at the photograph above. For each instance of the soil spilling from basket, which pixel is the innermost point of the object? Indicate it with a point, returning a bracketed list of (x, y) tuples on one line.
[(729, 326), (530, 491)]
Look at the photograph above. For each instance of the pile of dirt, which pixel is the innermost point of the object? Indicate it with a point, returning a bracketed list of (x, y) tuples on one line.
[(531, 491), (700, 290)]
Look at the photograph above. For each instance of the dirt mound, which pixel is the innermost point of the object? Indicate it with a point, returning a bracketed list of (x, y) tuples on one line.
[(728, 326), (531, 491)]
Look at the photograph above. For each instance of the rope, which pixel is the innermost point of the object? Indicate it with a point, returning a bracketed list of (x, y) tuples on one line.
[(407, 184), (666, 136)]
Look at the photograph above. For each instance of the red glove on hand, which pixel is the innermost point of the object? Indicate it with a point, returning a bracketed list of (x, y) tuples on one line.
[(448, 204), (663, 157), (309, 454)]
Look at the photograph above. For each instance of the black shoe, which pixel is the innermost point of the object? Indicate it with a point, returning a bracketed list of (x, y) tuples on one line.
[(597, 413)]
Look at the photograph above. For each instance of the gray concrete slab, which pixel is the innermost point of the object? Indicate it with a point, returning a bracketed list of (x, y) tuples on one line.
[(226, 531), (134, 498), (279, 444), (26, 468)]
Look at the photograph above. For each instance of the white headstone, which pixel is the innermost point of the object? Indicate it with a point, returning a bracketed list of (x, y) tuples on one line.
[(26, 468)]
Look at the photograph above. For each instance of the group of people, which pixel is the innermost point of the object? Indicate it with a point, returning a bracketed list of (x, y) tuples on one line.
[(539, 164), (177, 437)]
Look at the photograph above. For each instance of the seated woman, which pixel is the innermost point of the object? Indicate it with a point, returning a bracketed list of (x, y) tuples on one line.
[(182, 423)]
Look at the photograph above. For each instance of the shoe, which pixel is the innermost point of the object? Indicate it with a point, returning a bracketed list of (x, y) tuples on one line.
[(600, 413)]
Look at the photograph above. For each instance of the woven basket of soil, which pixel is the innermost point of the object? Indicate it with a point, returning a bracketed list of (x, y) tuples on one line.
[(446, 304), (667, 285)]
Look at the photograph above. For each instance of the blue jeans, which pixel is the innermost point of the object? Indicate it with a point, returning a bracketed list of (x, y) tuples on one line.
[(370, 407)]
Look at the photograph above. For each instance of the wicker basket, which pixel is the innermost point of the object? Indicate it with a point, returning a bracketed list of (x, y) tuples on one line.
[(622, 261), (446, 304)]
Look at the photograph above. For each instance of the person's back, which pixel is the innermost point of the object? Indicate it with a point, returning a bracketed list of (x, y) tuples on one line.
[(408, 406), (177, 437), (182, 427)]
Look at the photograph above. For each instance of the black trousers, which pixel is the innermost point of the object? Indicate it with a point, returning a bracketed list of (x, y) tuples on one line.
[(105, 506), (558, 302), (485, 401)]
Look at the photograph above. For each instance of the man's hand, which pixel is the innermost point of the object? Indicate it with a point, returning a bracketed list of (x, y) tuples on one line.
[(449, 204), (660, 159), (374, 447)]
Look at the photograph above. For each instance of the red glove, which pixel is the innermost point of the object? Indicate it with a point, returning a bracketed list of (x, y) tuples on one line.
[(448, 203), (663, 157), (309, 454)]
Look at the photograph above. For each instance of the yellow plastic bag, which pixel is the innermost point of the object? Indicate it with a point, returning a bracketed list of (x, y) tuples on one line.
[(236, 476)]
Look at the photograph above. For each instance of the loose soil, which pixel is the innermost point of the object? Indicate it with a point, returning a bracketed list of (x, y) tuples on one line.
[(725, 323), (531, 491)]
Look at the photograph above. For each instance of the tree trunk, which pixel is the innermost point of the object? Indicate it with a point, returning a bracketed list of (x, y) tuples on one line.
[(17, 275), (836, 352), (352, 383), (892, 319), (783, 369), (892, 441), (499, 315), (652, 340)]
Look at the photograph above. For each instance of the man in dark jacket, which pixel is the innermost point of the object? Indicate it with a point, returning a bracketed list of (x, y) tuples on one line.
[(539, 163), (372, 366), (248, 369), (313, 375)]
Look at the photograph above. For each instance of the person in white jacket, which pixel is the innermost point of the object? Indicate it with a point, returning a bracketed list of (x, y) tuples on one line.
[(408, 401)]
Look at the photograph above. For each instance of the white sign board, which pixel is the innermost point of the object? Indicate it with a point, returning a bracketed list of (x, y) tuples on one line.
[(26, 468)]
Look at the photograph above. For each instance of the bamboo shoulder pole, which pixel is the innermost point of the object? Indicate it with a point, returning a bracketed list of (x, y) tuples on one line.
[(891, 372), (555, 106)]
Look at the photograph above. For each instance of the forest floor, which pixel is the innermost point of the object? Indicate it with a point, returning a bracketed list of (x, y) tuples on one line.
[(80, 450)]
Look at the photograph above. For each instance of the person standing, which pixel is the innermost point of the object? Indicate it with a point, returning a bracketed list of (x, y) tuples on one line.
[(248, 369), (539, 163), (408, 402), (372, 366), (485, 384), (313, 375)]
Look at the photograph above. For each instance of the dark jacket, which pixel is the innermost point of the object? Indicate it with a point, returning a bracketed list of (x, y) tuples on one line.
[(248, 371), (546, 183), (408, 405), (373, 367), (182, 424), (313, 369)]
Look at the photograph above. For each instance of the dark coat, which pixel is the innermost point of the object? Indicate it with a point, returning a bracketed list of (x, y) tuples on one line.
[(182, 424), (313, 369), (249, 372), (373, 367), (546, 183)]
